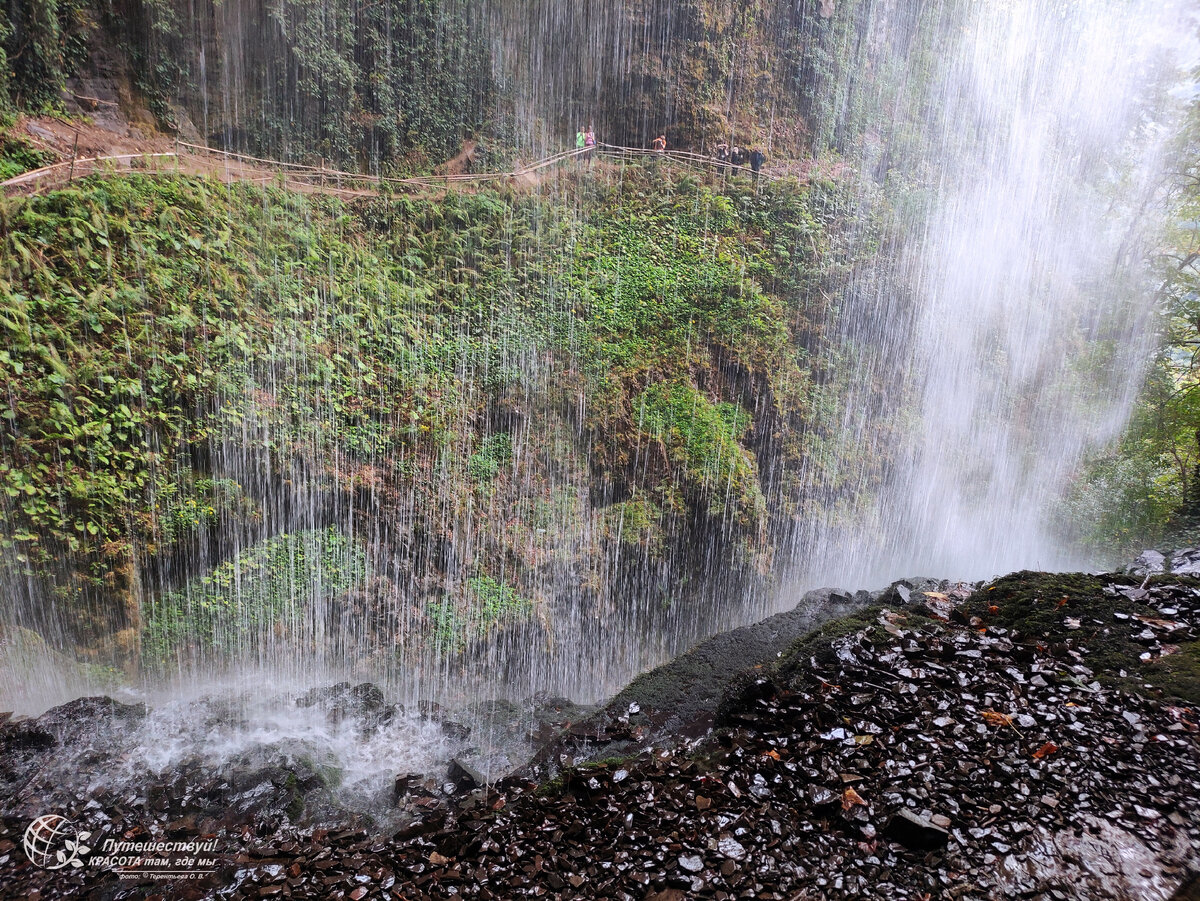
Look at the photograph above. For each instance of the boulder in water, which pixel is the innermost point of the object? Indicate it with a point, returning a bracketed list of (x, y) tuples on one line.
[(465, 775)]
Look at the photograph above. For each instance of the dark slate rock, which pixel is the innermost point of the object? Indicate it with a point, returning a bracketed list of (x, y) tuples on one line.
[(915, 831), (465, 775), (1148, 563)]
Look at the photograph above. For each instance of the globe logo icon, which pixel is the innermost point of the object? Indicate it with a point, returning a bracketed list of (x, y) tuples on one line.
[(51, 842)]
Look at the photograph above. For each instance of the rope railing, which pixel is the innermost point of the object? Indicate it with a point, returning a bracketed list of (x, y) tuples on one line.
[(320, 178), (35, 175)]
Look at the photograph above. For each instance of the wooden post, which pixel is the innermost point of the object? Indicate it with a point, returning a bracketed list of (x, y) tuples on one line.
[(74, 154)]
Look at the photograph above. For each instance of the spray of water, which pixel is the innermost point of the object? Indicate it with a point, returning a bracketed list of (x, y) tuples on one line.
[(1010, 335), (1007, 155)]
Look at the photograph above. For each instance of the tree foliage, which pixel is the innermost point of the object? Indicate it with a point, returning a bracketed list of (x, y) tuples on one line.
[(1146, 488)]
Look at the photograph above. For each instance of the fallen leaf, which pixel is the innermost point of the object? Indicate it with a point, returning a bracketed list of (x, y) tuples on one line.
[(993, 609), (850, 797), (992, 718), (1062, 602), (773, 754), (437, 859), (1046, 749)]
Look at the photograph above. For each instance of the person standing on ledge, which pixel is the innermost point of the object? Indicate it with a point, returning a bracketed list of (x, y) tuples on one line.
[(757, 157), (660, 144), (722, 157)]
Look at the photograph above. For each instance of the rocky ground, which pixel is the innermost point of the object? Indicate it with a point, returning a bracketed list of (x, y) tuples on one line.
[(1037, 737)]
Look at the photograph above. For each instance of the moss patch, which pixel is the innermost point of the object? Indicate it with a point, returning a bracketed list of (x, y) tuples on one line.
[(1179, 674), (1037, 607)]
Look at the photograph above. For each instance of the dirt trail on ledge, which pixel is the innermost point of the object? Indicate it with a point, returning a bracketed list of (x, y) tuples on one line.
[(86, 149)]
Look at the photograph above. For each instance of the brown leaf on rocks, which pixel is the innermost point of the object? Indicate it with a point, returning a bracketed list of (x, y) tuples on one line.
[(992, 718), (1045, 750), (438, 860), (850, 798)]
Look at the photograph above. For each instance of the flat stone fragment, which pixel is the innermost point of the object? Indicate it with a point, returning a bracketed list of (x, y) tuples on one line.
[(915, 831)]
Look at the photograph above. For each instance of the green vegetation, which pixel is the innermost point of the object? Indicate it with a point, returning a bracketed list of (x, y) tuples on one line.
[(17, 155), (638, 523), (139, 323), (42, 42), (376, 87), (187, 509), (488, 605), (701, 439), (1144, 490), (271, 588), (362, 350), (494, 452)]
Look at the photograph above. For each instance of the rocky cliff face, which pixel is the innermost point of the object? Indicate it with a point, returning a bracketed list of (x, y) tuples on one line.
[(379, 87)]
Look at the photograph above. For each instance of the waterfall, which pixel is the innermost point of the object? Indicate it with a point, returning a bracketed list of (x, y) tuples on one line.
[(998, 167), (1008, 339)]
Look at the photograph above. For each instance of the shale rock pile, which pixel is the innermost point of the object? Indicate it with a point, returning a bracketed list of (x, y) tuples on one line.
[(1038, 739)]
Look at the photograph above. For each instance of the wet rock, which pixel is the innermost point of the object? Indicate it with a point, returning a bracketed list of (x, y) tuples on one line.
[(731, 848), (1186, 562), (401, 785), (1188, 891), (363, 704), (24, 735), (681, 700), (464, 775), (915, 831), (907, 591), (1056, 786), (1148, 563)]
